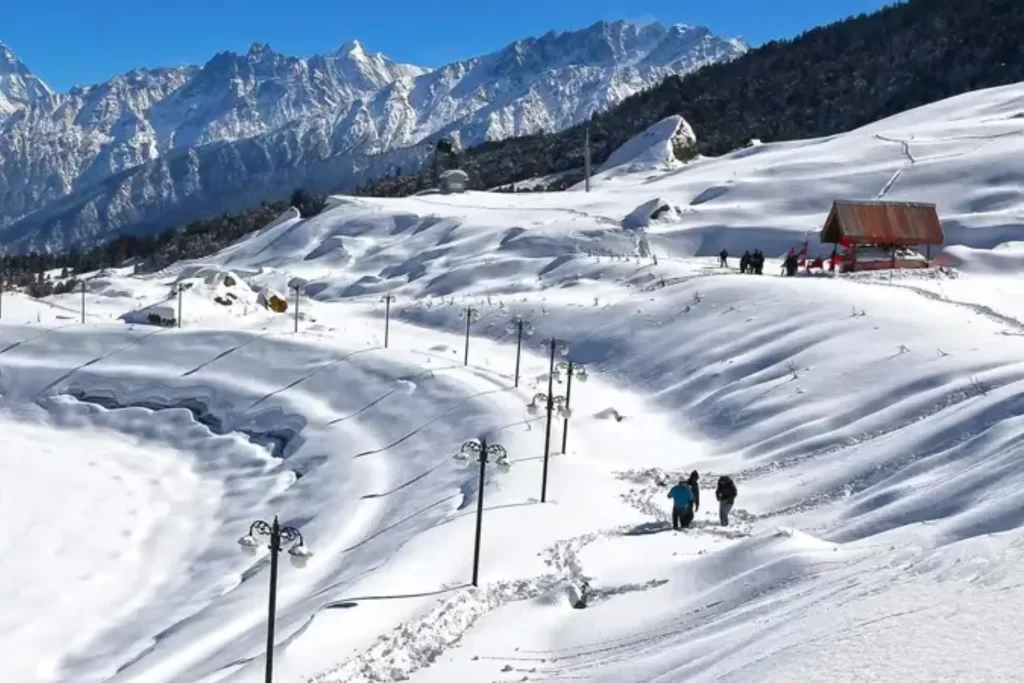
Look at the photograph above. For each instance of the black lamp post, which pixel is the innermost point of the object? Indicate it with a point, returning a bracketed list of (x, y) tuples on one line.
[(571, 369), (483, 452), (299, 553), (550, 400), (387, 299), (470, 314), (521, 327)]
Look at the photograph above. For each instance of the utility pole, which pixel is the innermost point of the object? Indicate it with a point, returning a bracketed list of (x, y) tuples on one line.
[(586, 158), (470, 314), (519, 346), (297, 283), (179, 304), (83, 302), (580, 372), (547, 432), (388, 298)]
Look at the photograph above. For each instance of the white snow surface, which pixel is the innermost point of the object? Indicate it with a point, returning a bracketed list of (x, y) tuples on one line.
[(872, 424)]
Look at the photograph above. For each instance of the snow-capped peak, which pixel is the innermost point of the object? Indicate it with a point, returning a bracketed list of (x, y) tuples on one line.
[(350, 48), (7, 58), (18, 85)]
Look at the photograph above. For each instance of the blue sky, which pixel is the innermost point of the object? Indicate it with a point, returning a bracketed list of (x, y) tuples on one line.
[(69, 42)]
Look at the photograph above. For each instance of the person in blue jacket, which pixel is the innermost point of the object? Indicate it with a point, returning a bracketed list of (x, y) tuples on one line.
[(682, 504)]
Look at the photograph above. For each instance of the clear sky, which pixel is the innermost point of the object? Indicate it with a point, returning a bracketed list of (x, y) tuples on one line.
[(79, 42)]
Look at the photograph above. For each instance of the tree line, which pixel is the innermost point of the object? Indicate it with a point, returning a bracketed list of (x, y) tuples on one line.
[(197, 239)]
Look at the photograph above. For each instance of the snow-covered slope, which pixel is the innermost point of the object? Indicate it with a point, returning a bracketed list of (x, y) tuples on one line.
[(155, 146), (663, 146), (872, 424)]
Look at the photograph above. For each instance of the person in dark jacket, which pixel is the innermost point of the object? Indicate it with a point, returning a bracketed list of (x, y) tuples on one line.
[(682, 504), (723, 258), (694, 483), (757, 260), (791, 265), (726, 495), (745, 262)]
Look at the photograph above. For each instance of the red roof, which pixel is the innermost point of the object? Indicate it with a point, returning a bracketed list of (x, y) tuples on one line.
[(874, 222)]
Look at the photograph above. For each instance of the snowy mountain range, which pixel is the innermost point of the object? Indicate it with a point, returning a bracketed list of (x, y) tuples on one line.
[(155, 147)]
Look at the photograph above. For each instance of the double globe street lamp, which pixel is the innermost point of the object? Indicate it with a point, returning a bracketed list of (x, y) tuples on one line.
[(550, 400), (484, 453), (571, 369), (272, 535), (520, 327)]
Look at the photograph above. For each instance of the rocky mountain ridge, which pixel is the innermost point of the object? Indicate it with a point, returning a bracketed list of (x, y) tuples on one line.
[(154, 147)]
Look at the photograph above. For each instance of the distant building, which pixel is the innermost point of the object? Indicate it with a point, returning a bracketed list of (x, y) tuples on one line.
[(454, 181), (877, 234)]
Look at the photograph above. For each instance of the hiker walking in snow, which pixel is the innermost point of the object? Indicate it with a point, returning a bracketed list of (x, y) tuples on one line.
[(745, 262), (758, 261), (682, 505), (723, 258), (726, 495)]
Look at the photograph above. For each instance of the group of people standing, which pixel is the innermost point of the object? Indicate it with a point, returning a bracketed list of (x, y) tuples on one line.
[(686, 500), (752, 263)]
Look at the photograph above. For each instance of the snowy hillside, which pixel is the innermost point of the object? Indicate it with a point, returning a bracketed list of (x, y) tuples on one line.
[(871, 423), (156, 146)]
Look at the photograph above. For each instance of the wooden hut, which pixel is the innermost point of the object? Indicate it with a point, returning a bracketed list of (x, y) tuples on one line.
[(879, 234)]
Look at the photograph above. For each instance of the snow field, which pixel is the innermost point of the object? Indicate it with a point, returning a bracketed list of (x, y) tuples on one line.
[(871, 423), (84, 531)]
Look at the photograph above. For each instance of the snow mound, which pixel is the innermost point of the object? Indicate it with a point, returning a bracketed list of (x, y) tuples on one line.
[(664, 145), (207, 293), (1005, 258), (333, 248), (654, 210)]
